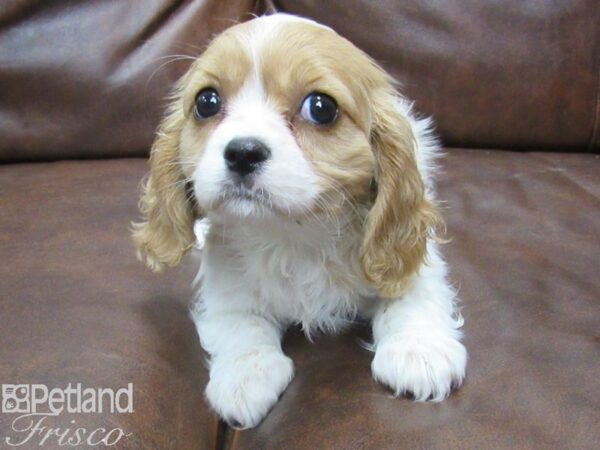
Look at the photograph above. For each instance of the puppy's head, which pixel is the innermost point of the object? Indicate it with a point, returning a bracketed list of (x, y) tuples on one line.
[(283, 118)]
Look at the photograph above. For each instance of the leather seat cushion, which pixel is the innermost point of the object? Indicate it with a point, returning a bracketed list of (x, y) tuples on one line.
[(78, 307)]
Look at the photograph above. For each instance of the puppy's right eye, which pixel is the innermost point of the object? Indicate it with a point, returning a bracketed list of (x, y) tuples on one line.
[(208, 103)]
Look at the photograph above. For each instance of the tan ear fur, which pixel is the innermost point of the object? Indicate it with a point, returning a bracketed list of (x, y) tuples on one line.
[(166, 232), (401, 218)]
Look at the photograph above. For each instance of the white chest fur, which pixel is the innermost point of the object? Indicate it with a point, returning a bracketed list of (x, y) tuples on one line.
[(293, 272)]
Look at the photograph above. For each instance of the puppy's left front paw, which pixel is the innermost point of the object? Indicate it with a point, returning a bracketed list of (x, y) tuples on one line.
[(427, 367)]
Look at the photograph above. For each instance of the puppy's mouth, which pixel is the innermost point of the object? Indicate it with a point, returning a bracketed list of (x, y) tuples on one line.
[(245, 191)]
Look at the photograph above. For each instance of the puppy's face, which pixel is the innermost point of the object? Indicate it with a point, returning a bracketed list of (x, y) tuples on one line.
[(276, 123), (282, 117)]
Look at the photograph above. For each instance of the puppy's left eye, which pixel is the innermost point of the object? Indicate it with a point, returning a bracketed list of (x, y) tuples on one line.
[(208, 103), (319, 108)]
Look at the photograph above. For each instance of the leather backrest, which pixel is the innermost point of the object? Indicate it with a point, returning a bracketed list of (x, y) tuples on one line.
[(81, 79)]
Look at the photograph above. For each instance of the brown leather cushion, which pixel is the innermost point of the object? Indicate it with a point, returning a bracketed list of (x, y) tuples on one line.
[(510, 74), (77, 307)]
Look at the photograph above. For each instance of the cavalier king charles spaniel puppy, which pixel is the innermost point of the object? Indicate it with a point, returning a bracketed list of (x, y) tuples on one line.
[(313, 181)]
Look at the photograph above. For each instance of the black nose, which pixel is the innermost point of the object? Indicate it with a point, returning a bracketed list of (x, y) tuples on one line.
[(245, 155)]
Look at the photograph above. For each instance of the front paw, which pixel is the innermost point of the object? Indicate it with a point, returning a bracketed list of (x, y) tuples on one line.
[(243, 388), (428, 367)]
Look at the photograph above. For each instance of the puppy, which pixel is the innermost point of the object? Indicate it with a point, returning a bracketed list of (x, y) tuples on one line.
[(315, 182)]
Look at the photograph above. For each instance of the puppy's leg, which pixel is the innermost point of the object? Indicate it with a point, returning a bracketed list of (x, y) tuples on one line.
[(417, 337), (248, 369)]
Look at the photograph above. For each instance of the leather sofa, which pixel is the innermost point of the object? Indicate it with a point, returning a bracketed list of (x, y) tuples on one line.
[(514, 87)]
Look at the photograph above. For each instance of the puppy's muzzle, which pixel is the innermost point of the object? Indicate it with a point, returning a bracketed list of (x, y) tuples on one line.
[(245, 155)]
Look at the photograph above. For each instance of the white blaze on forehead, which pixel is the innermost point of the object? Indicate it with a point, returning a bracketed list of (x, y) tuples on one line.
[(264, 29), (267, 24), (249, 113)]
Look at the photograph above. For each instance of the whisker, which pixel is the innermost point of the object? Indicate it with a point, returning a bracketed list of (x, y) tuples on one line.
[(175, 58)]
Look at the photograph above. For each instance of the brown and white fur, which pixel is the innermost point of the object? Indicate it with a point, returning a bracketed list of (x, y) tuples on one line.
[(339, 223)]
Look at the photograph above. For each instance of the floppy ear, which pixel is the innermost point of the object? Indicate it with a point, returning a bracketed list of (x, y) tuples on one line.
[(166, 232), (401, 218)]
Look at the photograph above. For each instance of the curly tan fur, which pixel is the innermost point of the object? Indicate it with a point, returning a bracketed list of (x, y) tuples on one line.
[(166, 232), (402, 218)]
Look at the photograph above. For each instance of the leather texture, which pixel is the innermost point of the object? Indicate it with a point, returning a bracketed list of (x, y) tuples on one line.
[(77, 307), (83, 79), (525, 231)]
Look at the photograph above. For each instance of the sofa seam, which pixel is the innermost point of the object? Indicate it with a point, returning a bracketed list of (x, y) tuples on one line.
[(595, 138)]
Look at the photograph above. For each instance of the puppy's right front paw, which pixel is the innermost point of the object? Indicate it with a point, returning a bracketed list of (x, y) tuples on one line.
[(243, 388)]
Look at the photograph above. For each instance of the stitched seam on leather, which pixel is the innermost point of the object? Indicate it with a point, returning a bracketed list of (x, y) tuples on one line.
[(233, 436), (595, 139), (221, 435)]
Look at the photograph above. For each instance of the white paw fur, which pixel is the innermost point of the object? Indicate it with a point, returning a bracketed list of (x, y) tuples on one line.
[(428, 367), (242, 389)]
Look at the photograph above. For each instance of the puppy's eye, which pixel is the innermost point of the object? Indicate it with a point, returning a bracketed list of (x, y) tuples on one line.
[(319, 108), (208, 103)]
